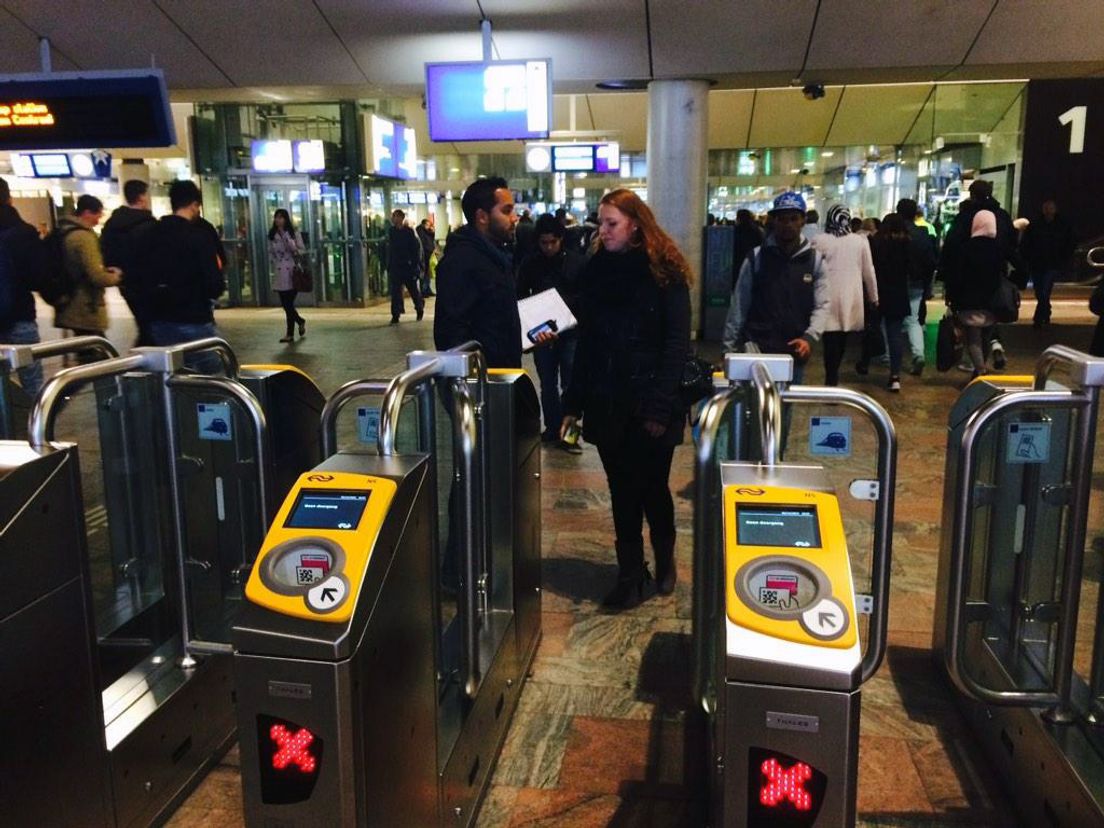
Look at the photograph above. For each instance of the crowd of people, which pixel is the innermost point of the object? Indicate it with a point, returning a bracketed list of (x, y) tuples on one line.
[(869, 280)]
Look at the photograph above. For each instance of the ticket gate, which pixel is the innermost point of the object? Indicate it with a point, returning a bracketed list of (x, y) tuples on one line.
[(184, 468), (15, 403), (375, 681), (779, 662), (1019, 620)]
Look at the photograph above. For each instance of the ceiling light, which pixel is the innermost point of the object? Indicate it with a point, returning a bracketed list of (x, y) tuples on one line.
[(827, 154), (623, 85)]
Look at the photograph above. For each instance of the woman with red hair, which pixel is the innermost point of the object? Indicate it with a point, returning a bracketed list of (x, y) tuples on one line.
[(634, 337)]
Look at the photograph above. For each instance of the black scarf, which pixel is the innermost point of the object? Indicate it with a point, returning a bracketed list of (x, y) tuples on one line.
[(613, 278)]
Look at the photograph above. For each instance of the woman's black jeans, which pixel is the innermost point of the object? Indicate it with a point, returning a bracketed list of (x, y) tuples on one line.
[(287, 300), (637, 469)]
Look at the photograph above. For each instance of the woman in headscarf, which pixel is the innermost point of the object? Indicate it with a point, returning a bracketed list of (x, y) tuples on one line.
[(974, 277), (848, 271)]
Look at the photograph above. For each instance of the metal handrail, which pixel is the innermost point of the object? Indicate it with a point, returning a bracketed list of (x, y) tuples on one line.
[(1056, 355), (74, 345), (882, 558), (210, 343), (1091, 261), (960, 539), (391, 407), (769, 406), (466, 434), (252, 407), (327, 423), (40, 422), (707, 575), (476, 350)]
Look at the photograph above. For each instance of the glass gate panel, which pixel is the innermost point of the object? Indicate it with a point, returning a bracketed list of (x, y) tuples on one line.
[(1018, 539), (268, 197), (236, 228)]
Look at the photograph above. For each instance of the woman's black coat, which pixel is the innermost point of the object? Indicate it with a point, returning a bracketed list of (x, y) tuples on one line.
[(977, 271), (891, 267), (634, 338)]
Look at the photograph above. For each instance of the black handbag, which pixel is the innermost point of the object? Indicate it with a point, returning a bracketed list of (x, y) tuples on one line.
[(1005, 303), (301, 278), (697, 381), (948, 344), (1096, 300)]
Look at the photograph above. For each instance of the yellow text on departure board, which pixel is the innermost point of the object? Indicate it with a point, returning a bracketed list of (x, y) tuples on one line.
[(25, 114)]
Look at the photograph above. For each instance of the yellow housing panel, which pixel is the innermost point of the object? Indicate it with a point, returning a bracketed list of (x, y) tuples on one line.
[(828, 566), (356, 544)]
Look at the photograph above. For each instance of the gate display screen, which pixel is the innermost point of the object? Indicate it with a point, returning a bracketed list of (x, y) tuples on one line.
[(290, 757), (327, 509), (85, 110), (792, 526), (783, 791)]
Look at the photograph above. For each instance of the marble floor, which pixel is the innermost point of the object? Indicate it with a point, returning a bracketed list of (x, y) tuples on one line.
[(602, 736)]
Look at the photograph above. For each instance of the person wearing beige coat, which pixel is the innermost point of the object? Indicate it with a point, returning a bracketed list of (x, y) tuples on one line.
[(848, 275), (86, 310)]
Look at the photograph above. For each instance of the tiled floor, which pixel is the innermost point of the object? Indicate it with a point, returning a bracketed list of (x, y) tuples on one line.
[(602, 735)]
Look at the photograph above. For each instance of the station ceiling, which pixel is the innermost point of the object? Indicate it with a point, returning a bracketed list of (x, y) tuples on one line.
[(283, 50)]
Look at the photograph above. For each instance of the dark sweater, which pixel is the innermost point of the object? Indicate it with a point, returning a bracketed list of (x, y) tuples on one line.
[(634, 337), (24, 265), (179, 277), (477, 300)]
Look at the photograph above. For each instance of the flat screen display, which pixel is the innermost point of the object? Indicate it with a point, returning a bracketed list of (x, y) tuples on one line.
[(792, 526), (310, 156), (502, 100), (82, 110), (394, 149), (272, 156), (21, 165), (595, 158), (51, 165), (327, 509)]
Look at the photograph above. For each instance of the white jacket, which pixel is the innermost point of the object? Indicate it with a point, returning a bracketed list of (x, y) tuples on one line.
[(848, 268)]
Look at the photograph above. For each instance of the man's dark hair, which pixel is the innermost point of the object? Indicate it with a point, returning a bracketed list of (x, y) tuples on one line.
[(547, 225), (88, 204), (399, 213), (134, 190), (906, 209), (424, 223), (744, 217), (856, 224), (980, 189), (812, 216), (5, 191), (480, 195), (561, 214), (182, 193)]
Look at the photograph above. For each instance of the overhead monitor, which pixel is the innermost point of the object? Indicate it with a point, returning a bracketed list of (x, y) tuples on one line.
[(51, 165), (21, 165), (393, 149), (272, 156), (500, 100), (309, 156), (78, 110)]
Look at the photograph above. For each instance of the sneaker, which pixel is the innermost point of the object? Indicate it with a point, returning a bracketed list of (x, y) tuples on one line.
[(394, 320), (862, 368), (287, 339), (421, 313), (571, 448), (917, 366), (894, 384), (302, 328), (965, 367), (996, 353)]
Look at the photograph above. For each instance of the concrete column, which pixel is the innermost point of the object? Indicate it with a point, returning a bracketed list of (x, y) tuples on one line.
[(677, 165)]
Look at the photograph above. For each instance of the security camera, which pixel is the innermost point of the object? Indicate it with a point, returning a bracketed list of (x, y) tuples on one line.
[(813, 91)]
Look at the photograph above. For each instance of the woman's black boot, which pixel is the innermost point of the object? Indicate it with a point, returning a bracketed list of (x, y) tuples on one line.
[(666, 575), (632, 576)]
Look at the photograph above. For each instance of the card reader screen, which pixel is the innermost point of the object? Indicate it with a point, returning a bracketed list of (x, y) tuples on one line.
[(794, 526), (327, 509)]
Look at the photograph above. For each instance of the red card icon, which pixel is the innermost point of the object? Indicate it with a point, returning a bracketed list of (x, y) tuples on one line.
[(784, 583)]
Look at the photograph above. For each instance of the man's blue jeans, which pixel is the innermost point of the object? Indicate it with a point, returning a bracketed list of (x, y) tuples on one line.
[(554, 362), (25, 333), (913, 328), (176, 333)]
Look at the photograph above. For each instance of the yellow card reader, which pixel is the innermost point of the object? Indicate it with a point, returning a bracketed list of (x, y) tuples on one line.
[(314, 557), (787, 569)]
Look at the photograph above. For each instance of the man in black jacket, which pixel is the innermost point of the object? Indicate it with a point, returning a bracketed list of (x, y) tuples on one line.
[(552, 266), (1047, 246), (404, 265), (180, 277), (121, 242), (922, 257), (21, 266), (476, 296)]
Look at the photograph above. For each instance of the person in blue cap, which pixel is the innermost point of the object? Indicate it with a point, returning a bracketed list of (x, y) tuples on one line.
[(780, 302)]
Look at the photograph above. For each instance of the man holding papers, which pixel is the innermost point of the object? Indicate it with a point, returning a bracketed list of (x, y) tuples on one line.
[(553, 267)]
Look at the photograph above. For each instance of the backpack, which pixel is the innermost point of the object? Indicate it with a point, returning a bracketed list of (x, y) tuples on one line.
[(56, 285)]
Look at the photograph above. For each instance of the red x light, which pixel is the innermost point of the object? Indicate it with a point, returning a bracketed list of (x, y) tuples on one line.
[(783, 791), (785, 784), (292, 749), (290, 760)]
